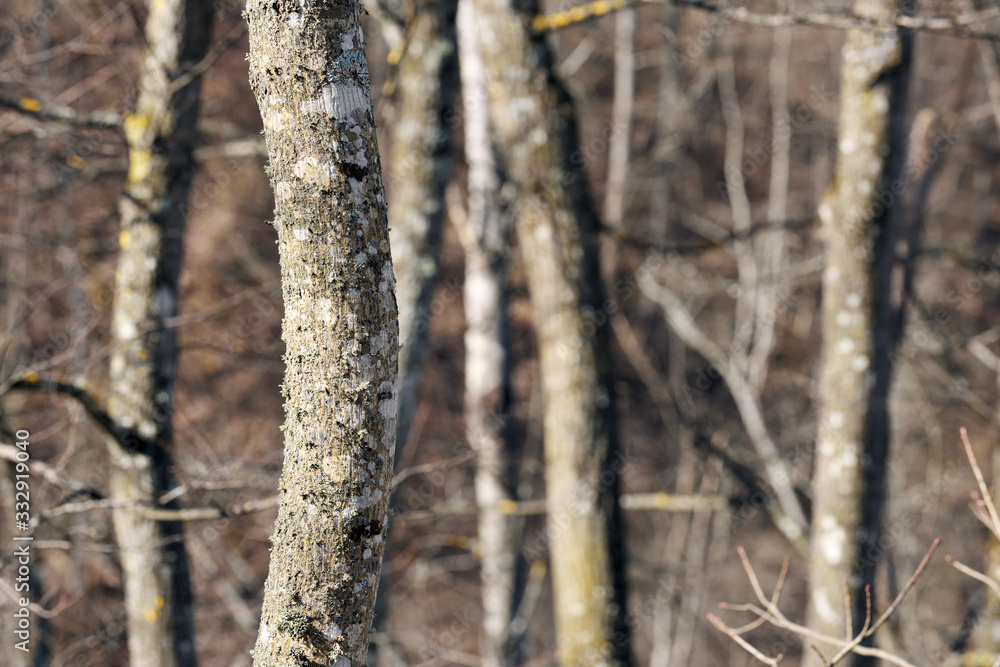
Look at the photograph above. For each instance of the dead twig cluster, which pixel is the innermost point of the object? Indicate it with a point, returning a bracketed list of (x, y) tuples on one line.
[(766, 610)]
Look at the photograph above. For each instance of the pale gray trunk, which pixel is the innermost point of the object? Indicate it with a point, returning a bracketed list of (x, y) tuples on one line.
[(532, 119), (310, 78), (484, 236), (621, 118), (419, 169), (160, 135), (852, 443)]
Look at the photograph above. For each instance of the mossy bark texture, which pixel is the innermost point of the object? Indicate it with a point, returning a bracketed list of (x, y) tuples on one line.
[(308, 72), (535, 131), (160, 134), (856, 214)]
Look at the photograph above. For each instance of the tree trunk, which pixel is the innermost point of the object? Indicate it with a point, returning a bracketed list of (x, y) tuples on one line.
[(619, 143), (419, 171), (485, 237), (534, 125), (858, 329), (420, 166), (160, 135), (308, 72)]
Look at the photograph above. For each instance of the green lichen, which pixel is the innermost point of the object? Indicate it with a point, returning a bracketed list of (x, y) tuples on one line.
[(296, 623)]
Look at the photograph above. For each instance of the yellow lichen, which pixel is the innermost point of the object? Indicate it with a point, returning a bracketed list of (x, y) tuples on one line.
[(396, 54), (140, 160), (135, 125), (31, 104), (140, 164), (153, 613)]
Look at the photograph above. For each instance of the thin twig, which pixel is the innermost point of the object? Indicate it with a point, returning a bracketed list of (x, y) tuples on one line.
[(848, 614), (983, 489), (819, 653), (975, 574), (29, 106), (771, 614), (747, 646), (906, 589), (850, 646), (758, 591)]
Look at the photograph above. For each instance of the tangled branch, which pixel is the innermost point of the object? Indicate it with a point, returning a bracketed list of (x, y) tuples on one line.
[(766, 610)]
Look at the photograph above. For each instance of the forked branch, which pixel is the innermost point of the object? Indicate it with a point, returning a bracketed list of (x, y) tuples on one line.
[(767, 611)]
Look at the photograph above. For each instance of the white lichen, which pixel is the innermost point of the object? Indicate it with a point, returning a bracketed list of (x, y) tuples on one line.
[(831, 537)]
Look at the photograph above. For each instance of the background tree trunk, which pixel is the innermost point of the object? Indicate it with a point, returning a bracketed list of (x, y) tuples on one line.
[(308, 72), (160, 135), (420, 166), (425, 94), (858, 320), (535, 131), (485, 237)]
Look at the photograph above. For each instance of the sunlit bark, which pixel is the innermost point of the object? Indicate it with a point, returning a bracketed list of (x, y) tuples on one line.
[(858, 321), (160, 134), (535, 130), (310, 77)]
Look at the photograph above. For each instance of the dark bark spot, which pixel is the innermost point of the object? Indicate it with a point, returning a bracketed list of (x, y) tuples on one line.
[(354, 171), (358, 529)]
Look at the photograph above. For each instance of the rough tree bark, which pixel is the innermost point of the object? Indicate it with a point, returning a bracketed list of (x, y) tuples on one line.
[(160, 135), (310, 78), (419, 169), (858, 320), (534, 126), (485, 236)]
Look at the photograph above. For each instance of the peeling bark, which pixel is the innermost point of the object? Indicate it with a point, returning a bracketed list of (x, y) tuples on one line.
[(310, 78), (160, 134), (419, 168), (535, 130), (856, 213)]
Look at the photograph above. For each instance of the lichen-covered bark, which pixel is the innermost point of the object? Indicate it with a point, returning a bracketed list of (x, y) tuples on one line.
[(534, 126), (308, 72), (419, 169), (160, 134), (487, 365), (852, 443)]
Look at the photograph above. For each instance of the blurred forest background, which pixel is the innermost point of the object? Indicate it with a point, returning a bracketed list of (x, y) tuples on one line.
[(708, 143)]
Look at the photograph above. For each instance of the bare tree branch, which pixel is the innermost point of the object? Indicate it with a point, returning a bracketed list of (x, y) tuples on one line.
[(29, 106), (767, 610), (129, 438), (791, 518), (656, 501), (958, 24)]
